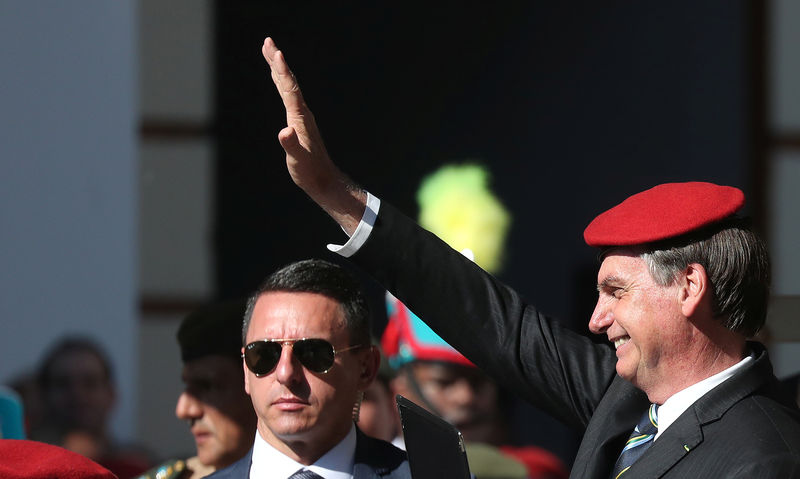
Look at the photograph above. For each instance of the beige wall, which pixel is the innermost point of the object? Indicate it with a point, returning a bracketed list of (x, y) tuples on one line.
[(783, 191), (176, 203)]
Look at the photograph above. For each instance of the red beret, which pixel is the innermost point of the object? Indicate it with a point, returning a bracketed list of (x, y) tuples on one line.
[(37, 460), (663, 212)]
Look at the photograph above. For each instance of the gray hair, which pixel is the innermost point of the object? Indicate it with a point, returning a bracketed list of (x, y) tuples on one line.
[(737, 265), (320, 277)]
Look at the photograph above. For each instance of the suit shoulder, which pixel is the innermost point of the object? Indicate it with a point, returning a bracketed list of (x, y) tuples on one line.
[(238, 469), (767, 421)]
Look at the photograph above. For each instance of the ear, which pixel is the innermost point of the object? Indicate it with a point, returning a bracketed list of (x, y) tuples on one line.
[(695, 291), (246, 376), (369, 363)]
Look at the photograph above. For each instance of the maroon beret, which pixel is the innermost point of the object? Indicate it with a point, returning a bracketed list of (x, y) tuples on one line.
[(36, 460), (663, 212)]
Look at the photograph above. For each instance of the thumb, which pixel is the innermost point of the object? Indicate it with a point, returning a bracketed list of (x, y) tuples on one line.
[(289, 141)]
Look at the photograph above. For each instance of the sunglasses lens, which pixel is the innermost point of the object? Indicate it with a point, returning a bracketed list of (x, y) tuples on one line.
[(261, 357), (315, 354)]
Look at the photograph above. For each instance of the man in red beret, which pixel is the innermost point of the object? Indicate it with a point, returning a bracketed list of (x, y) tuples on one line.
[(682, 285)]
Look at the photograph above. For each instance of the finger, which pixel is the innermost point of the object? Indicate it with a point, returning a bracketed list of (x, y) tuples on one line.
[(268, 49), (289, 141), (281, 74), (282, 77)]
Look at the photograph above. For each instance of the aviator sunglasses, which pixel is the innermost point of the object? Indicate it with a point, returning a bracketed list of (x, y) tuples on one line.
[(316, 355)]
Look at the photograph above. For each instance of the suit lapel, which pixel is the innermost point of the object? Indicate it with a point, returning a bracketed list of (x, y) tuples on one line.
[(686, 433), (611, 424), (363, 471)]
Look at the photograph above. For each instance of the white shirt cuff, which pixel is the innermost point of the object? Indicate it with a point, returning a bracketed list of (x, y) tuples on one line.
[(362, 231)]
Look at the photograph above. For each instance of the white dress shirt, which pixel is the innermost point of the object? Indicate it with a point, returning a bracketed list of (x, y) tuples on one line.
[(337, 463), (680, 401)]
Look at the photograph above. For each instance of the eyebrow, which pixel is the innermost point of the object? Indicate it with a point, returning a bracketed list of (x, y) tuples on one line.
[(609, 282)]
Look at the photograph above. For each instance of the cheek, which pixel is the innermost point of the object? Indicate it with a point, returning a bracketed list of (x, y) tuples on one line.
[(439, 396)]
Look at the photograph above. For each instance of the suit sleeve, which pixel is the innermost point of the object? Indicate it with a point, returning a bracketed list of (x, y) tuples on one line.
[(558, 370)]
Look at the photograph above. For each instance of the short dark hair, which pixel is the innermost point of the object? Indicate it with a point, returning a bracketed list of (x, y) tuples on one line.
[(736, 262), (320, 277)]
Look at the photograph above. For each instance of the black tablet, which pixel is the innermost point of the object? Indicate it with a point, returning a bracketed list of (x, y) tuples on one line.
[(435, 448)]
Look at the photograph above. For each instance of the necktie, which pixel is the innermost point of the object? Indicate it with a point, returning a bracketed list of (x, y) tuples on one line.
[(305, 474), (640, 440)]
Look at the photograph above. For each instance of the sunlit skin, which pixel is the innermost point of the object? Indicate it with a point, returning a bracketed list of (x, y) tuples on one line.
[(666, 337), (217, 409), (301, 413)]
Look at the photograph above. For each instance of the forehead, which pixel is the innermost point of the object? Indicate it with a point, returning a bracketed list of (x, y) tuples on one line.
[(291, 315), (210, 368), (77, 361), (621, 264)]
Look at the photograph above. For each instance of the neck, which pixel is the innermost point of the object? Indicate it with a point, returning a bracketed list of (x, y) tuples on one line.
[(713, 350)]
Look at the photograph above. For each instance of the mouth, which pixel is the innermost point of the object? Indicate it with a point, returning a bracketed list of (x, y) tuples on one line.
[(620, 341), (200, 435), (289, 403)]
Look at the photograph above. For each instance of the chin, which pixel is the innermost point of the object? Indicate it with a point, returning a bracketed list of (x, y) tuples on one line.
[(290, 431), (207, 458), (625, 373)]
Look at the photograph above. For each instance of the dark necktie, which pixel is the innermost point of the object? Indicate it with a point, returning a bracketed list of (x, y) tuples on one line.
[(305, 474), (640, 440)]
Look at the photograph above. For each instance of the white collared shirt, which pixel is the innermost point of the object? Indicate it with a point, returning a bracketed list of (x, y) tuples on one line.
[(682, 400), (337, 463)]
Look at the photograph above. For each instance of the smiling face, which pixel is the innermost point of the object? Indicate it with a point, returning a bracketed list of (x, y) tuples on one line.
[(644, 321), (217, 409), (297, 408)]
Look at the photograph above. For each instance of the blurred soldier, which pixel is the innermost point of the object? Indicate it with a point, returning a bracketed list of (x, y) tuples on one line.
[(214, 402)]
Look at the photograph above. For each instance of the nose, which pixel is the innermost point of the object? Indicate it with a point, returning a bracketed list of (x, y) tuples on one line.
[(289, 369), (602, 318), (188, 407)]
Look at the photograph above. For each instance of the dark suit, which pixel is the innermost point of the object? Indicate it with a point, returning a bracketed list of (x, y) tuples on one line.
[(373, 459), (743, 428)]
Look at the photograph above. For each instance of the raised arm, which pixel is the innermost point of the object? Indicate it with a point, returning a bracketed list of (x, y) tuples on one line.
[(306, 157)]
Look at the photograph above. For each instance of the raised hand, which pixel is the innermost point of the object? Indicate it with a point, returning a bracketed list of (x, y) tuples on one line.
[(307, 160)]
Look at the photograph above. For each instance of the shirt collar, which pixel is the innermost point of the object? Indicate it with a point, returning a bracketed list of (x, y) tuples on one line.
[(680, 401), (337, 463)]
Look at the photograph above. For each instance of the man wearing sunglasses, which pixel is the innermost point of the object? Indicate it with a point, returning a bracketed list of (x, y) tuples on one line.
[(307, 360)]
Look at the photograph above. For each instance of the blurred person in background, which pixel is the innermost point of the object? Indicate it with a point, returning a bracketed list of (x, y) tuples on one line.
[(378, 411), (75, 385), (437, 377), (214, 403)]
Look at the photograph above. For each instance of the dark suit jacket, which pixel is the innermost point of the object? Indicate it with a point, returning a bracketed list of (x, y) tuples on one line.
[(743, 428), (374, 459)]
